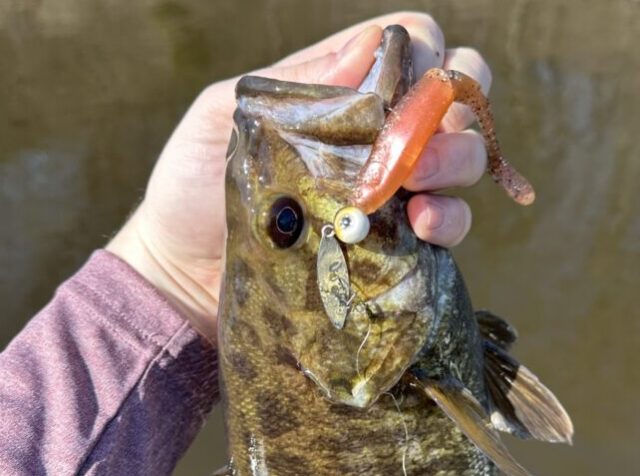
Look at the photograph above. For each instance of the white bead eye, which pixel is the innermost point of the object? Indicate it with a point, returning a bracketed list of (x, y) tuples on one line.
[(351, 225)]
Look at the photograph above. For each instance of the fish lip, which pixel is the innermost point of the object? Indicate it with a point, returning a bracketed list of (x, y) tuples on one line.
[(363, 393), (361, 397)]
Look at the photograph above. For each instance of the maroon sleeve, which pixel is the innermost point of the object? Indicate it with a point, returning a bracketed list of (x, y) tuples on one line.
[(107, 379)]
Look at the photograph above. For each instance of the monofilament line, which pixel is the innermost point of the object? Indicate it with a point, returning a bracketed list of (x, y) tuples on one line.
[(406, 434)]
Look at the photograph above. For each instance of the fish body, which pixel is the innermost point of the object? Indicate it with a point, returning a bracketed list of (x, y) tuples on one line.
[(402, 386)]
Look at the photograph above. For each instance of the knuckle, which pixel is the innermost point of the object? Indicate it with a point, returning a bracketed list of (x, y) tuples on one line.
[(213, 93), (300, 73), (209, 92)]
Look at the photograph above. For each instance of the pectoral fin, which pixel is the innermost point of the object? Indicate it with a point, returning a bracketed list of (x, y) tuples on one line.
[(468, 414), (525, 407), (496, 329)]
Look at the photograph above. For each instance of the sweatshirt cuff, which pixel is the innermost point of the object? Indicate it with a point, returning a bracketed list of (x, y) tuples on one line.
[(143, 317)]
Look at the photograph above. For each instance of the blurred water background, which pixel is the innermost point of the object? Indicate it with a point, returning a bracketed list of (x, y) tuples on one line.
[(90, 91)]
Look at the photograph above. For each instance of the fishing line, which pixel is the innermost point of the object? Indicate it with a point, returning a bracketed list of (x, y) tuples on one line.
[(360, 350), (406, 433)]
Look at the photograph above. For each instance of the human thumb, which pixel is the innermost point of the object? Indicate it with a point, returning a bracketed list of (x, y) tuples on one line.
[(205, 129)]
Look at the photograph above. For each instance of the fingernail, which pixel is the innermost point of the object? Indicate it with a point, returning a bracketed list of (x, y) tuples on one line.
[(361, 38), (435, 215), (430, 164)]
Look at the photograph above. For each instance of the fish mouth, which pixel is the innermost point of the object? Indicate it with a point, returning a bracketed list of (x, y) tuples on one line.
[(356, 363), (406, 297), (378, 364), (362, 394)]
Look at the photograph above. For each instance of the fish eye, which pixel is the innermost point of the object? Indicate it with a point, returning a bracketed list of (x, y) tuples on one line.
[(285, 222)]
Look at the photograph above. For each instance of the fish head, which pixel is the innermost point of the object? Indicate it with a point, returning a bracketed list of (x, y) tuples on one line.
[(283, 187), (293, 158)]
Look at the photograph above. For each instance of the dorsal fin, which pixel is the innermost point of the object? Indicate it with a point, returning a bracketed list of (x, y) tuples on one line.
[(523, 405), (468, 414), (496, 329)]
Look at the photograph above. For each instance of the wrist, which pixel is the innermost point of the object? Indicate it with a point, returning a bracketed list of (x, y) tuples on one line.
[(185, 294)]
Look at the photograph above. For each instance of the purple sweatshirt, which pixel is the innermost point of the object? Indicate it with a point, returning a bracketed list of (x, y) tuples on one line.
[(106, 379)]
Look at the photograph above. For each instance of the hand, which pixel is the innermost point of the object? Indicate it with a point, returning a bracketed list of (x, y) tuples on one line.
[(175, 238)]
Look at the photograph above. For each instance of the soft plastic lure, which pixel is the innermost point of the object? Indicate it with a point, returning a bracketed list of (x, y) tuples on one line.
[(408, 128)]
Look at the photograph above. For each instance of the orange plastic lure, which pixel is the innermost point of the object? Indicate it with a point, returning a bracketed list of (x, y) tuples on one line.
[(409, 127)]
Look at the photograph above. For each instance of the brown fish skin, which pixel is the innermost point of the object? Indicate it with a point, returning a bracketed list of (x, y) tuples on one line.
[(280, 422), (302, 397)]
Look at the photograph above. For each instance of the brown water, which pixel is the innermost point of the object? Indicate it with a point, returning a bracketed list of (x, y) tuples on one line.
[(89, 92)]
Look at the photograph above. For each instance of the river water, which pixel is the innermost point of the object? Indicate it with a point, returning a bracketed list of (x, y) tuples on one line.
[(89, 92)]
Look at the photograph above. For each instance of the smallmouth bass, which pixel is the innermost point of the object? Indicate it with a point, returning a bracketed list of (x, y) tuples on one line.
[(414, 382)]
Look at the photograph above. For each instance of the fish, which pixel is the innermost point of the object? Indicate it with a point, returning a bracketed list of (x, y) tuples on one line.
[(413, 380)]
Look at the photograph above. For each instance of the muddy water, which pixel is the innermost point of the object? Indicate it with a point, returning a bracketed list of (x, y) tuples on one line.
[(89, 91)]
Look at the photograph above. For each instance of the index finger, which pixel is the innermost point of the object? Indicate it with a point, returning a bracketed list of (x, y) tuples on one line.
[(426, 37)]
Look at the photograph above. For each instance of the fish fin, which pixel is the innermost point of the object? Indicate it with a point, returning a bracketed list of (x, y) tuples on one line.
[(468, 414), (524, 406), (226, 470), (496, 329)]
